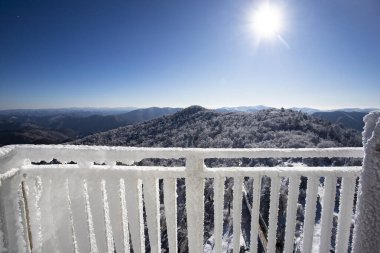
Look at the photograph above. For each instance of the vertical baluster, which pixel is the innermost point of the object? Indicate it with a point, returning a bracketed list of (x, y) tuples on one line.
[(218, 212), (135, 213), (47, 224), (29, 211), (107, 219), (327, 213), (115, 211), (195, 203), (79, 219), (237, 213), (170, 203), (23, 236), (33, 187), (345, 213), (293, 190), (61, 220), (152, 206), (87, 191), (273, 214), (124, 213), (310, 209), (255, 211), (71, 216), (3, 229), (95, 213), (9, 190)]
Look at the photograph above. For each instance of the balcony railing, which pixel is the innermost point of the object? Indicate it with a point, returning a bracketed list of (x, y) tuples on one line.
[(99, 203)]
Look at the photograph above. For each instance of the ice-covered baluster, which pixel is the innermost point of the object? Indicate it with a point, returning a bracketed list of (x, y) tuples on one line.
[(49, 236), (135, 212), (79, 217), (195, 203), (345, 213), (170, 203), (311, 205), (23, 235), (237, 213), (33, 188), (95, 214), (291, 211), (107, 219), (59, 207), (14, 233), (273, 213), (124, 213), (327, 213), (115, 212), (255, 212), (152, 207), (218, 212)]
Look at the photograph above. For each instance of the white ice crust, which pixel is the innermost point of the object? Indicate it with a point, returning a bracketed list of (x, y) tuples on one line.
[(367, 230)]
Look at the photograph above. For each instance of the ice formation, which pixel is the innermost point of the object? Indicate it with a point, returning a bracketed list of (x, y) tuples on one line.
[(367, 230)]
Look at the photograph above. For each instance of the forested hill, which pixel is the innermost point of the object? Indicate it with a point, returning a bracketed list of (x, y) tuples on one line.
[(199, 127)]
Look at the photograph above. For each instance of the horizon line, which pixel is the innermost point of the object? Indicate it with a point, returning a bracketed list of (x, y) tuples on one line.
[(183, 107)]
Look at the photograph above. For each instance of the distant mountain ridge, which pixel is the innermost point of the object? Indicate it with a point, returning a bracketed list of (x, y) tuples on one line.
[(59, 128), (353, 119), (78, 112), (243, 108), (365, 110), (89, 111)]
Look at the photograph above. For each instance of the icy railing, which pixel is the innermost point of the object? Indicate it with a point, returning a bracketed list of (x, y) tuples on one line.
[(84, 207)]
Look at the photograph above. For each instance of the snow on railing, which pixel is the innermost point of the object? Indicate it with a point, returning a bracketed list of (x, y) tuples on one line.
[(367, 230), (84, 207)]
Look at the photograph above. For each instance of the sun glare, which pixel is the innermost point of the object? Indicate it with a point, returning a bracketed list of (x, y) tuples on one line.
[(267, 21)]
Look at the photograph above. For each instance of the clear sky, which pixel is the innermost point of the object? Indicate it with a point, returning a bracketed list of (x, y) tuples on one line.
[(181, 52)]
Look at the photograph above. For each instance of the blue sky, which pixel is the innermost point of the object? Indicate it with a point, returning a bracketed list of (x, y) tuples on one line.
[(145, 53)]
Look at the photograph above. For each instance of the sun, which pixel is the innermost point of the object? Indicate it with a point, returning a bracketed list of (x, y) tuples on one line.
[(267, 21)]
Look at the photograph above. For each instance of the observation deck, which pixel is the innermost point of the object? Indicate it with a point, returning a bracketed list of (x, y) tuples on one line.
[(98, 200)]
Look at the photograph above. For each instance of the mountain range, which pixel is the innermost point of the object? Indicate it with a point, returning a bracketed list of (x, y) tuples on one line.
[(349, 119), (49, 126), (31, 127), (75, 111), (196, 126)]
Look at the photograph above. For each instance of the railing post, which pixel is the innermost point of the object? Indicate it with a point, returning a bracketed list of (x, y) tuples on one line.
[(195, 203), (12, 222), (367, 228)]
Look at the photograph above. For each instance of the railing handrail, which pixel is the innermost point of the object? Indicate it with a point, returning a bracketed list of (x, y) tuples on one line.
[(15, 155), (177, 152)]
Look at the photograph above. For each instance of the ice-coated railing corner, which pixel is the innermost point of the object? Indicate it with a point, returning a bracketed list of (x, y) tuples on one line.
[(87, 207), (367, 230)]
